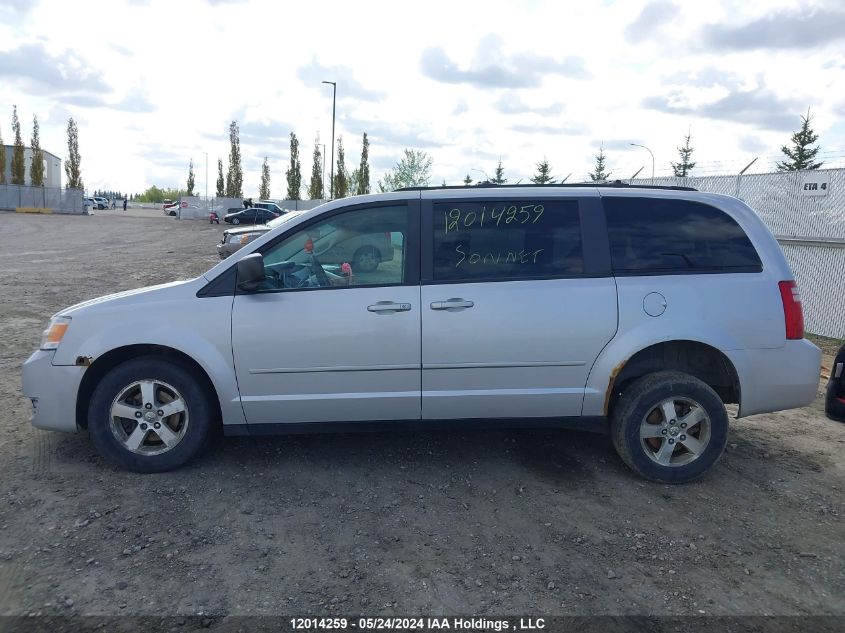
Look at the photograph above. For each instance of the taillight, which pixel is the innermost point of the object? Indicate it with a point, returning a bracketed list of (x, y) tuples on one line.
[(792, 313)]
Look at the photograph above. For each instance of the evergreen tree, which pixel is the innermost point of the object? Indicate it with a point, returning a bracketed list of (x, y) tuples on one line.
[(73, 164), (467, 181), (18, 165), (191, 179), (264, 189), (36, 172), (683, 168), (235, 174), (294, 172), (543, 175), (315, 188), (499, 178), (2, 160), (341, 176), (801, 155), (599, 174), (354, 181), (221, 184), (363, 181)]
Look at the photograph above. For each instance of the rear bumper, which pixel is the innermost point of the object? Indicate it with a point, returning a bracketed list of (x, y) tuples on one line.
[(777, 379), (53, 390)]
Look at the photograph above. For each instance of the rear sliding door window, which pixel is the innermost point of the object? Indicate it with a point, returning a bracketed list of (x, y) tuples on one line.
[(665, 236), (506, 240)]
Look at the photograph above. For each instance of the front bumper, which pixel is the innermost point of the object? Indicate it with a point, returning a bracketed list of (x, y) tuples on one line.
[(777, 379), (53, 390)]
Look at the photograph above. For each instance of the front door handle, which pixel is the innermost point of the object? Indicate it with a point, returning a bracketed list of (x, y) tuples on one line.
[(451, 304), (389, 307)]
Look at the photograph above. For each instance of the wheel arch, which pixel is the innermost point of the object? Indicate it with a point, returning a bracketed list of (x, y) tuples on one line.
[(111, 359), (698, 359)]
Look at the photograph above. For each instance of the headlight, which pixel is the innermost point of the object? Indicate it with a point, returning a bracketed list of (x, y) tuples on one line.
[(242, 238), (54, 333)]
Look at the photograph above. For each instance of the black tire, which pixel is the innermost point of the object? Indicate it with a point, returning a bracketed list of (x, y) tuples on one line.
[(201, 414), (366, 259), (642, 398)]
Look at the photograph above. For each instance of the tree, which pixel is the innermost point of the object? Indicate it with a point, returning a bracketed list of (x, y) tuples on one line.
[(683, 168), (543, 175), (354, 181), (499, 178), (467, 181), (221, 184), (413, 170), (235, 174), (2, 160), (74, 161), (18, 165), (801, 155), (264, 188), (294, 172), (363, 180), (36, 172), (315, 189), (599, 174), (341, 176), (191, 179)]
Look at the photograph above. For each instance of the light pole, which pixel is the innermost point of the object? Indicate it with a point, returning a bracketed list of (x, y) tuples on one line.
[(206, 177), (486, 177), (334, 99), (652, 159), (323, 192)]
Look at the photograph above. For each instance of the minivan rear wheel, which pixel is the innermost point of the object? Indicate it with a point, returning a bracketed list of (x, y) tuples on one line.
[(149, 415), (669, 427)]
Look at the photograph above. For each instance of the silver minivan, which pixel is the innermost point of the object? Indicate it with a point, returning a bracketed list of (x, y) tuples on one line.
[(635, 311)]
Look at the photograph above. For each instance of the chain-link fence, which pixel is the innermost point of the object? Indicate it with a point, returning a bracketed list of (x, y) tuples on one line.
[(806, 212), (58, 200)]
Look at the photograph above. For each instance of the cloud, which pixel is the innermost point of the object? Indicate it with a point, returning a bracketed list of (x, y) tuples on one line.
[(411, 134), (33, 64), (759, 107), (493, 69), (347, 86), (795, 28), (752, 144), (136, 102), (513, 104), (127, 52), (564, 129), (650, 19), (264, 130), (82, 100), (460, 107)]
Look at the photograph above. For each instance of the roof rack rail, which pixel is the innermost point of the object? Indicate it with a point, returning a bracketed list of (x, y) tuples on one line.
[(616, 184)]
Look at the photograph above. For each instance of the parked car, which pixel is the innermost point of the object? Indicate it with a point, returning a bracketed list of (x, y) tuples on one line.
[(253, 215), (363, 252), (234, 239), (170, 208), (834, 403), (98, 203), (89, 204), (269, 205), (637, 311)]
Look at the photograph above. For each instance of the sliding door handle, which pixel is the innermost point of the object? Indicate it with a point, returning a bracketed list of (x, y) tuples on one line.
[(451, 304)]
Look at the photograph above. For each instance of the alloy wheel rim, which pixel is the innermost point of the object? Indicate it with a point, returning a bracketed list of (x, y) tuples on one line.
[(149, 417), (675, 432)]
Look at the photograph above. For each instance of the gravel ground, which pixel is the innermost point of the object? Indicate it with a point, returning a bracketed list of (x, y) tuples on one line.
[(538, 522)]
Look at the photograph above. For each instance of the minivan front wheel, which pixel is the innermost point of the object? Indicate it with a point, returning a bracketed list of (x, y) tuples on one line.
[(149, 415), (669, 427)]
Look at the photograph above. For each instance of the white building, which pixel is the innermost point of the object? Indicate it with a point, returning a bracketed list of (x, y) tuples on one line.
[(52, 167)]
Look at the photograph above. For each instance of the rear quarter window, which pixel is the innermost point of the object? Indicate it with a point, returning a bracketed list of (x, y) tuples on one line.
[(665, 236)]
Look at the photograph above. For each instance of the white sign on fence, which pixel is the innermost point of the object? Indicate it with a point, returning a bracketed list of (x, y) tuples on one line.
[(815, 185)]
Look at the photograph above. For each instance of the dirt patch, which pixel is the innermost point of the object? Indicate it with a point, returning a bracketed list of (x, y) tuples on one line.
[(441, 522)]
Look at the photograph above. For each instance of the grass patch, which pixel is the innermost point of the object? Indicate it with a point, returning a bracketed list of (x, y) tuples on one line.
[(827, 345)]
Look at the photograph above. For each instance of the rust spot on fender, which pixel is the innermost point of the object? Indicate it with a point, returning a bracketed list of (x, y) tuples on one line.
[(610, 382), (83, 361)]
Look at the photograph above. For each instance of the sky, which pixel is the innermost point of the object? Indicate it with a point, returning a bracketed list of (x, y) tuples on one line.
[(154, 84)]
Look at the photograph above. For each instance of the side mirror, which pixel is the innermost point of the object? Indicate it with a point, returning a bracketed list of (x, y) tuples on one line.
[(250, 271)]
